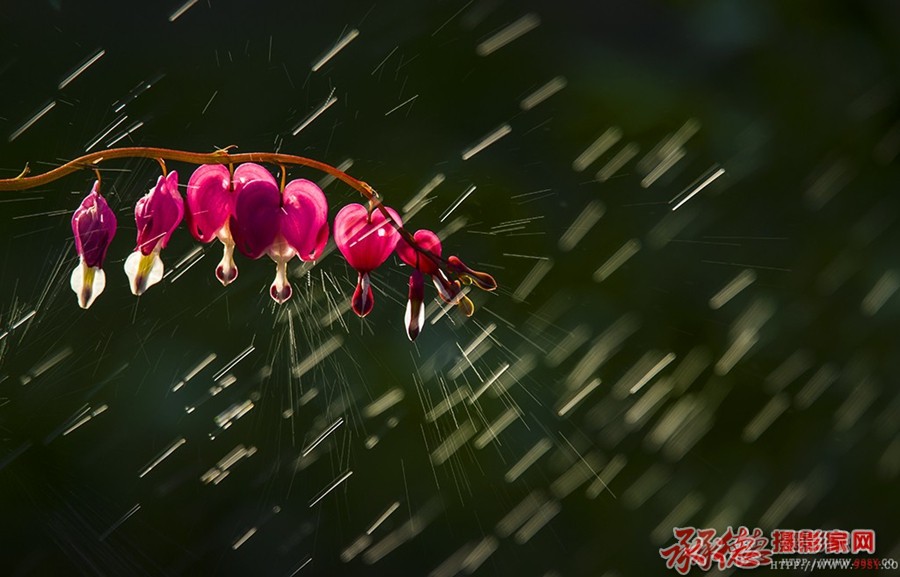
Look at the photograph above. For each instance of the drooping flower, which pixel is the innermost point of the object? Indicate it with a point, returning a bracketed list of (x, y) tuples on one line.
[(210, 202), (425, 258), (280, 224), (366, 239), (424, 261), (94, 226), (156, 214)]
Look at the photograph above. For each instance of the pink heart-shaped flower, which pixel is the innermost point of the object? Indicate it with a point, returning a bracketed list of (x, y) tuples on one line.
[(365, 240)]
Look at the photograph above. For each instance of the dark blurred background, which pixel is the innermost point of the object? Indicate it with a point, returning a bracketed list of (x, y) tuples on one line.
[(730, 362)]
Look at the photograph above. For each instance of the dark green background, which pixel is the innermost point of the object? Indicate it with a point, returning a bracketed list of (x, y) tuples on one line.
[(783, 92)]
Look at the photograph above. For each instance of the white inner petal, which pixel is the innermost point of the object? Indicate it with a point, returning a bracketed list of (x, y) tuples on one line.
[(143, 271), (420, 320), (87, 283)]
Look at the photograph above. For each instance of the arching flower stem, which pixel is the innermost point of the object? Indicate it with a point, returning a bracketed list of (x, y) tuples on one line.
[(223, 156), (24, 182)]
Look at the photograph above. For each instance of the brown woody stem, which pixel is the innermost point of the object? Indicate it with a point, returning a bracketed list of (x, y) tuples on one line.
[(222, 156), (23, 182)]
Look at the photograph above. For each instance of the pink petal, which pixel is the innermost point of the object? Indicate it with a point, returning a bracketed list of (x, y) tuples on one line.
[(158, 214), (255, 221), (209, 201), (174, 207), (321, 241), (250, 171), (94, 226), (427, 241), (304, 222), (365, 244)]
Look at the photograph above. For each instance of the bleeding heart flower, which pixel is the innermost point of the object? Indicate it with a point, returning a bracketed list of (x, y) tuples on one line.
[(425, 259), (94, 226), (366, 239), (157, 215), (210, 203), (280, 224)]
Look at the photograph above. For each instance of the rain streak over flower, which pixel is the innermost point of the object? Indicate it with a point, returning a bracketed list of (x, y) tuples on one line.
[(157, 215), (282, 224), (94, 226), (366, 239)]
